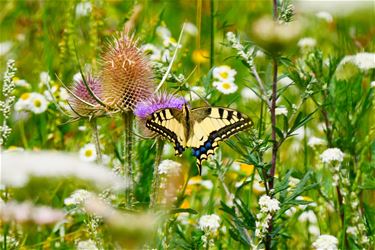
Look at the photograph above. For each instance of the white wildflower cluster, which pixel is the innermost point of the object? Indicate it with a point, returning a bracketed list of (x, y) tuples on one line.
[(86, 245), (326, 242), (27, 212), (310, 217), (6, 104), (210, 225), (246, 55), (78, 197), (268, 206), (83, 9), (169, 167), (357, 230), (224, 79), (306, 43), (363, 60), (334, 157)]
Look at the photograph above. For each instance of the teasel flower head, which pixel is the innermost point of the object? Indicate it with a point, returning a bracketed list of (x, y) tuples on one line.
[(82, 102), (126, 74), (156, 102)]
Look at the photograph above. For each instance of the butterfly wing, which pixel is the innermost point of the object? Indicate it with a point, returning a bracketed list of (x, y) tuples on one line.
[(168, 123), (211, 125)]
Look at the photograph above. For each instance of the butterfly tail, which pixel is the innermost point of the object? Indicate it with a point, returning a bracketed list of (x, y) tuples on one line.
[(199, 166)]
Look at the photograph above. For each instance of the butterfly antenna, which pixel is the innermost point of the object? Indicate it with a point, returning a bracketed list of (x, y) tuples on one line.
[(172, 60)]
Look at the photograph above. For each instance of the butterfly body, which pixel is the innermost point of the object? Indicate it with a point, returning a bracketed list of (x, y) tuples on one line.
[(200, 129)]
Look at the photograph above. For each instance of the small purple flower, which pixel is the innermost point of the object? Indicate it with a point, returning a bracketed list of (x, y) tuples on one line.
[(156, 102)]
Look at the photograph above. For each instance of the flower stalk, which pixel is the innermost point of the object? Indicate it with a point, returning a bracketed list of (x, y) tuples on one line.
[(95, 138), (127, 117), (156, 177)]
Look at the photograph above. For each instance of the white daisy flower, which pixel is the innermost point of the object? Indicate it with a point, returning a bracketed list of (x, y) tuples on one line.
[(281, 111), (88, 153), (44, 78), (166, 56), (48, 95), (38, 103), (306, 43), (169, 167), (224, 73), (324, 15), (83, 9), (23, 103), (226, 87), (326, 242), (63, 94), (21, 83), (332, 154), (209, 222), (372, 84), (191, 29), (152, 52), (163, 32), (268, 204)]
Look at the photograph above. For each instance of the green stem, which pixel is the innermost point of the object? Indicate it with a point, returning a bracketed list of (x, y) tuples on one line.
[(156, 177), (95, 138), (23, 134), (128, 141), (212, 34)]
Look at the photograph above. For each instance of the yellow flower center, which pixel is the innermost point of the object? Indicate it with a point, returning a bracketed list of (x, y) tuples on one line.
[(226, 85), (37, 103), (88, 153), (25, 96), (224, 74)]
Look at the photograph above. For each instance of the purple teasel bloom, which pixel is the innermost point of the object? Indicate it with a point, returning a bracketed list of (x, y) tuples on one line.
[(156, 102)]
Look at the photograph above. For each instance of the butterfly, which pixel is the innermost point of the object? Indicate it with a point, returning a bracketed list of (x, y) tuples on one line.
[(200, 128)]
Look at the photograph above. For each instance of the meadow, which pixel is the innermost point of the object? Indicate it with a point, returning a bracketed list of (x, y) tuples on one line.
[(99, 96)]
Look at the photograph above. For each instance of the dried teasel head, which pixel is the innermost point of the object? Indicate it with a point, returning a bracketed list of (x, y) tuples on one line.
[(82, 102), (126, 74)]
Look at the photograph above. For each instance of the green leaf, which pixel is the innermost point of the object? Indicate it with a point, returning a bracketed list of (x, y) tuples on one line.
[(183, 210)]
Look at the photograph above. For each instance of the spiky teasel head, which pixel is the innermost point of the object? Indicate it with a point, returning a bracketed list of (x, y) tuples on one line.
[(156, 102), (80, 99), (126, 74)]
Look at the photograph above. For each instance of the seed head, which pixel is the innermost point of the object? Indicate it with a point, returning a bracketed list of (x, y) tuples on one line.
[(126, 73)]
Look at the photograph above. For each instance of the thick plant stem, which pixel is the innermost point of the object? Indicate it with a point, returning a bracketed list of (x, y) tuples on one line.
[(273, 122), (268, 240), (156, 178), (95, 138), (127, 117)]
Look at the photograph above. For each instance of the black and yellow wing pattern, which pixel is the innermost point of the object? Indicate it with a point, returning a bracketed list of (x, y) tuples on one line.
[(211, 126), (201, 129)]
